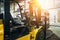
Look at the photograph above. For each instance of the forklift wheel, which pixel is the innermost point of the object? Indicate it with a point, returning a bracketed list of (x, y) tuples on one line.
[(40, 35)]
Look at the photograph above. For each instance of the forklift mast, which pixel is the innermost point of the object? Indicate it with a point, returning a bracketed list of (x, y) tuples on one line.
[(35, 10)]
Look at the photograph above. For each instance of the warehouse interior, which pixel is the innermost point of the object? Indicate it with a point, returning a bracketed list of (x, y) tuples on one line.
[(29, 19)]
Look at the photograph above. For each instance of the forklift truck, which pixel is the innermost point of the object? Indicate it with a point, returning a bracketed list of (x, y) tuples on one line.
[(29, 28)]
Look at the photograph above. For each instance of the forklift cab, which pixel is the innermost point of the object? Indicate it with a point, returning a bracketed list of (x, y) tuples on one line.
[(23, 23)]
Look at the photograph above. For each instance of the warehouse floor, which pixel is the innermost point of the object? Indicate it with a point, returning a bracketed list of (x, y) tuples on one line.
[(53, 33)]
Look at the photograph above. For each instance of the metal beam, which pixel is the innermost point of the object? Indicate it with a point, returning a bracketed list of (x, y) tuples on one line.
[(6, 19)]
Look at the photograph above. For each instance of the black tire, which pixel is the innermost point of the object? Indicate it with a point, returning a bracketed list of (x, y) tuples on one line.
[(40, 35)]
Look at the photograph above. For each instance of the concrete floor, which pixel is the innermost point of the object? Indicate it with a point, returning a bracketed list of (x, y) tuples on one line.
[(55, 30), (53, 33)]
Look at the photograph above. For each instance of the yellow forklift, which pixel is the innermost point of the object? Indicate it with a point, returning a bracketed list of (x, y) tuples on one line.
[(26, 25)]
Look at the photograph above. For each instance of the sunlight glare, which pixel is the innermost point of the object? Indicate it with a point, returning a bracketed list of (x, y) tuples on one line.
[(44, 3)]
